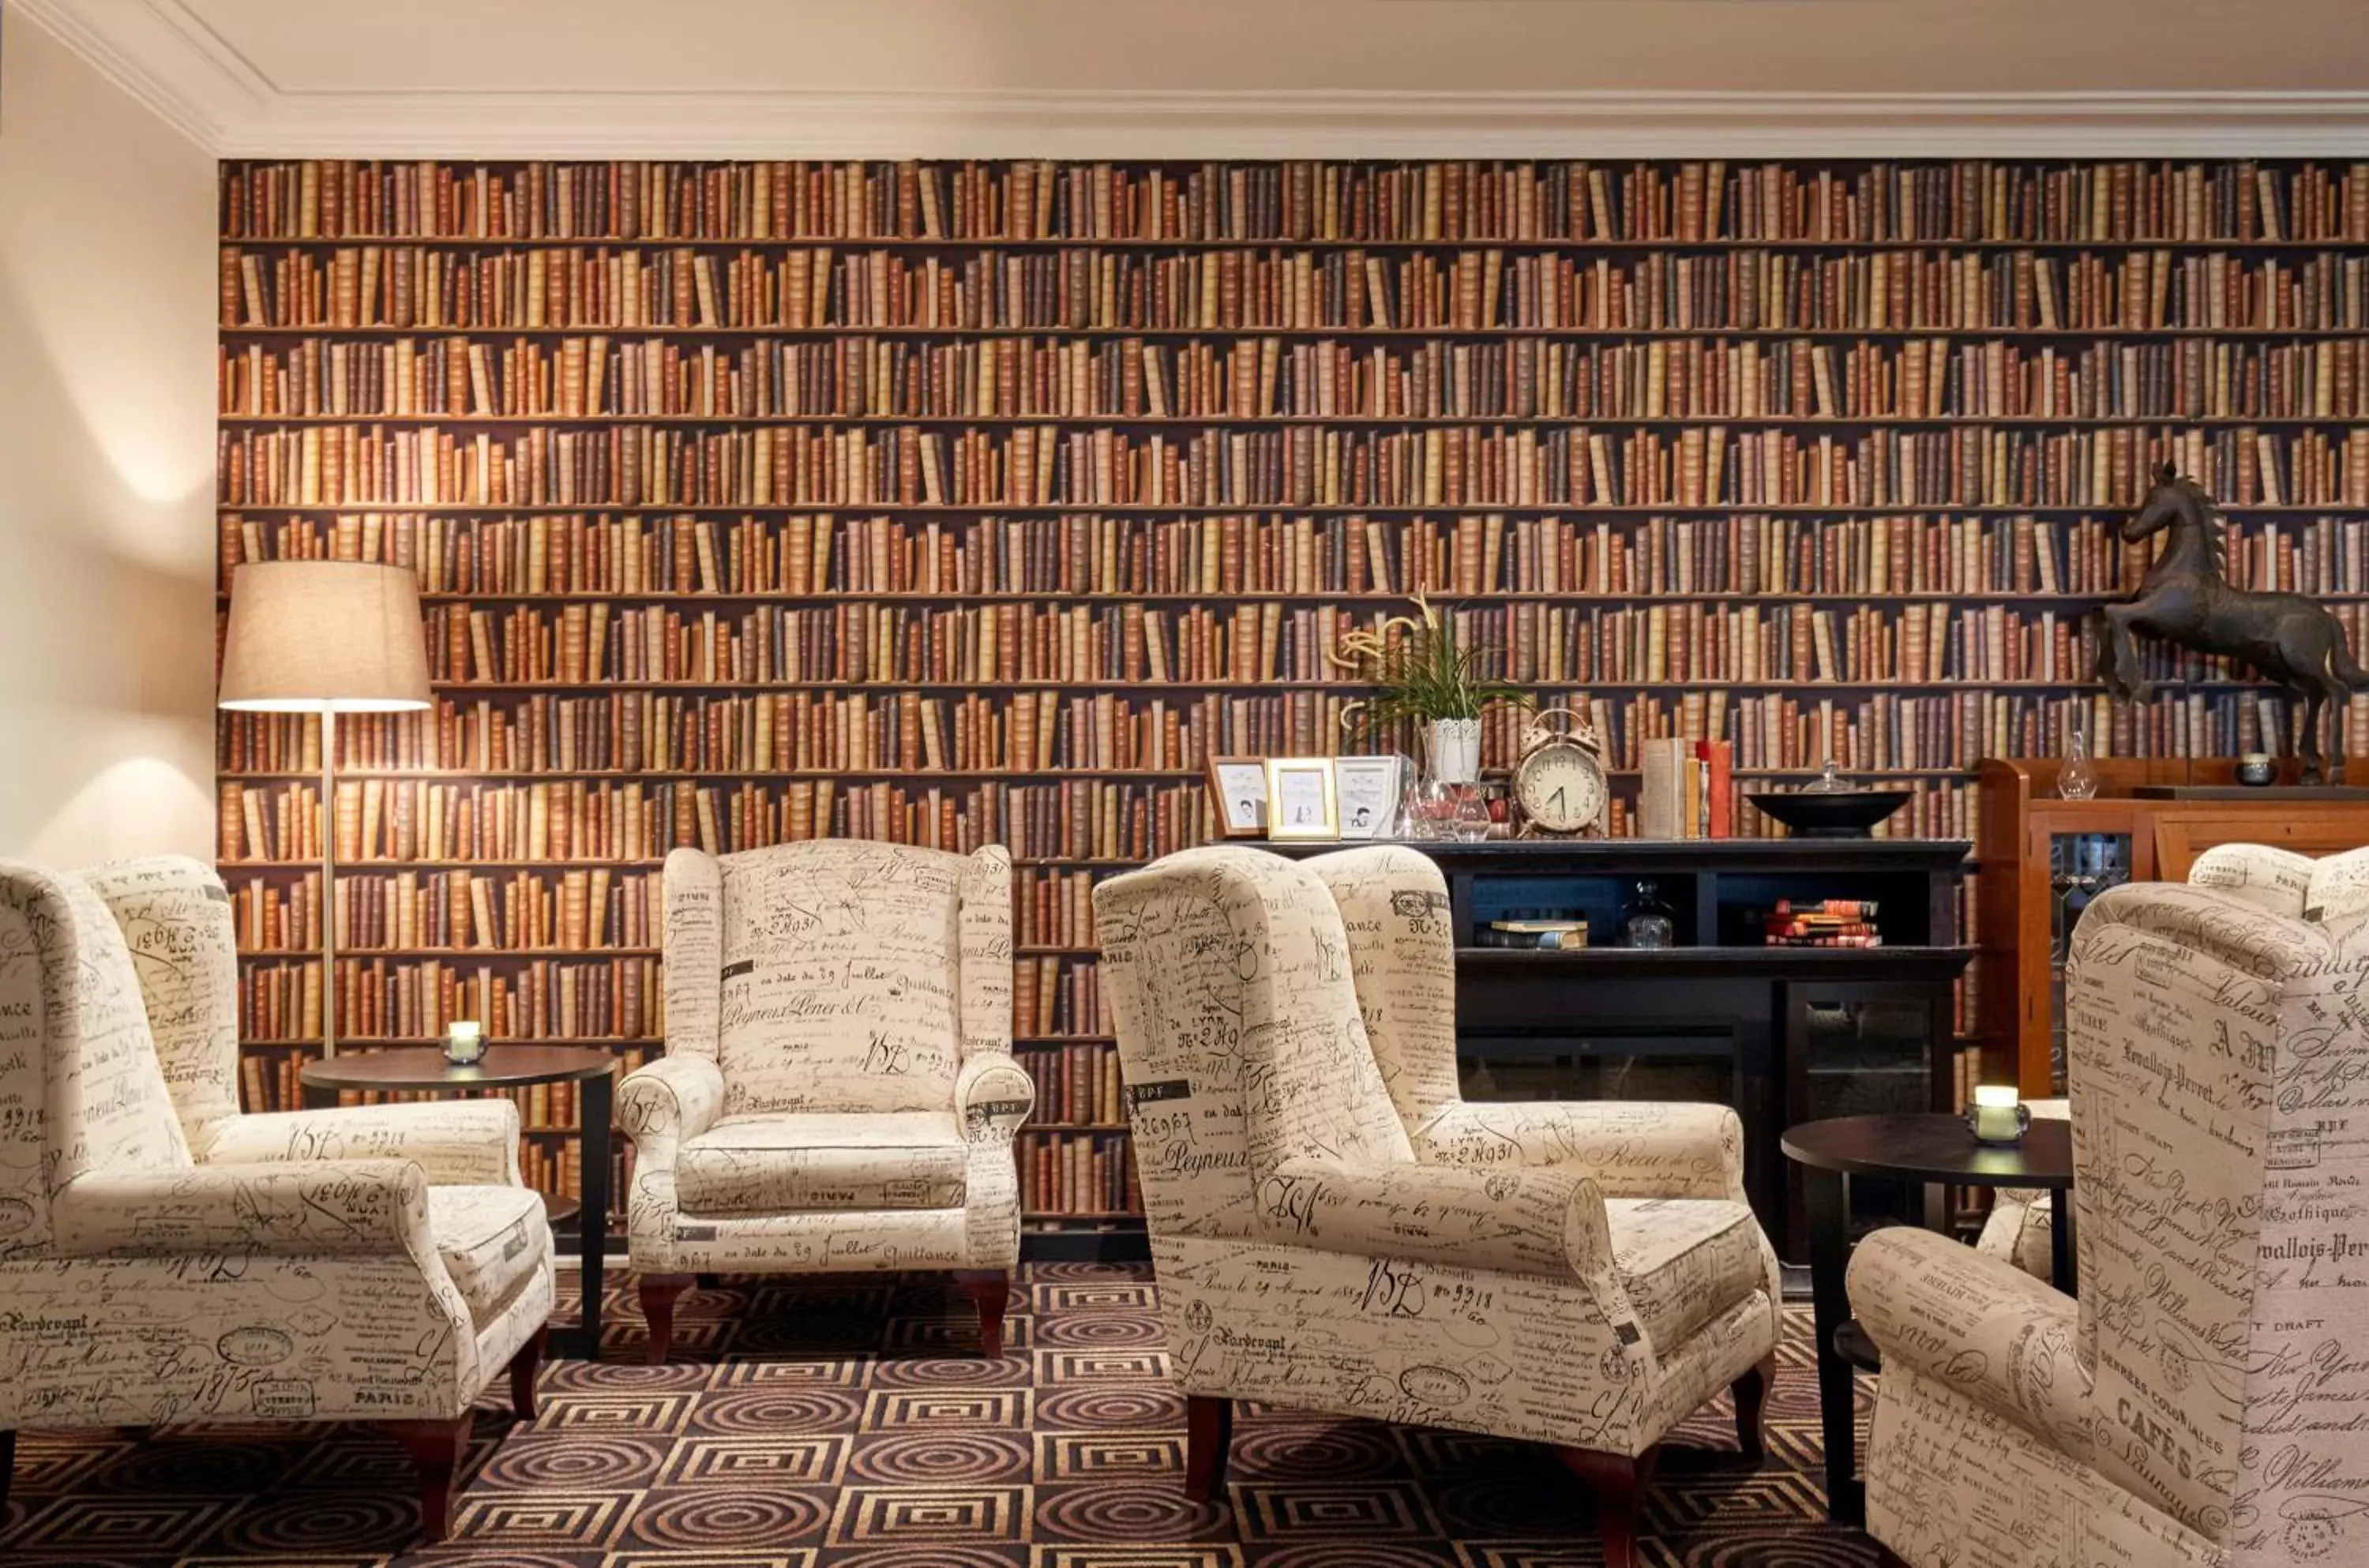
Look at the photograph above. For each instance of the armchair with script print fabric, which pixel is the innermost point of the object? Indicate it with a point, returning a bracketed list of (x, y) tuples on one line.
[(839, 1091), (2021, 1226), (2200, 1403), (1334, 1229), (155, 1269)]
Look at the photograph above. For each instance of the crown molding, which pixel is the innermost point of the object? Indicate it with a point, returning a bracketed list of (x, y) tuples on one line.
[(1305, 124), (164, 55), (161, 55)]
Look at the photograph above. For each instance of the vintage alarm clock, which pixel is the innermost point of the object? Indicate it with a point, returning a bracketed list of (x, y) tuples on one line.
[(1559, 783)]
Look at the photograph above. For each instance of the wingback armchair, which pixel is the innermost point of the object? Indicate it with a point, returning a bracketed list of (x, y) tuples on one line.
[(164, 1258), (839, 1091), (1335, 1227), (2200, 1403), (2022, 1224)]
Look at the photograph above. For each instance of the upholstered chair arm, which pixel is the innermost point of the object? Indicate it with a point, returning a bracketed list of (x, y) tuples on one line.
[(992, 1094), (1628, 1148), (330, 1208), (2205, 920), (460, 1143), (669, 1100), (2271, 878), (1977, 1325), (1524, 1221)]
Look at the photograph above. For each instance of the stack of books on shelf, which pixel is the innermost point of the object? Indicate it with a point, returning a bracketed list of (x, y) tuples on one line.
[(1821, 922), (1688, 789), (1535, 929)]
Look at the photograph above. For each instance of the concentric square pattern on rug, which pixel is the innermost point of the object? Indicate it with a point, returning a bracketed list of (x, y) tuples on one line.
[(847, 1423)]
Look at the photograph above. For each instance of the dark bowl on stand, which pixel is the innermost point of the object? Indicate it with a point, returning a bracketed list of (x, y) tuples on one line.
[(1830, 814)]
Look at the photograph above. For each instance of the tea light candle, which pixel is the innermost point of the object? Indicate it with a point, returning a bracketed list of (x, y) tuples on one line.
[(1997, 1116), (465, 1042)]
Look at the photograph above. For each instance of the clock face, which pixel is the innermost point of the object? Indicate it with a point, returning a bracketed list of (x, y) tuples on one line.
[(1561, 788)]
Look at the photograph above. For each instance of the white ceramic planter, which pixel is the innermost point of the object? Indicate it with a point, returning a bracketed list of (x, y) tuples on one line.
[(1455, 749)]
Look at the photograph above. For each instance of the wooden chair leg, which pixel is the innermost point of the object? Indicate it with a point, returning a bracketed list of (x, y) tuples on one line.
[(658, 1292), (1618, 1484), (436, 1446), (992, 1289), (7, 1463), (710, 1281), (523, 1366), (1209, 1432), (1751, 1406)]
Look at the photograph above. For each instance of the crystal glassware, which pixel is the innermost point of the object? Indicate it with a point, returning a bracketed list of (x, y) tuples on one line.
[(2077, 779)]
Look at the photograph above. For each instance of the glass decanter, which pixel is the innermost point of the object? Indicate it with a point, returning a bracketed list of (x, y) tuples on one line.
[(1647, 922)]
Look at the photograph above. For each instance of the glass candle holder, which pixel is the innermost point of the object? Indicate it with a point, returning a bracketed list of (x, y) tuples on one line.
[(1471, 823), (1997, 1115), (465, 1042)]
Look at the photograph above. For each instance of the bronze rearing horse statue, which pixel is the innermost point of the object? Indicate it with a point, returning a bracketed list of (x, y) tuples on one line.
[(2186, 600)]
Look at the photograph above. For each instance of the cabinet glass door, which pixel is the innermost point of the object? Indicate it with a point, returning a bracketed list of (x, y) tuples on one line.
[(2080, 866)]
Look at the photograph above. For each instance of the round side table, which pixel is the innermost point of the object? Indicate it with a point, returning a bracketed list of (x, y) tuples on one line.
[(1930, 1149), (423, 1071)]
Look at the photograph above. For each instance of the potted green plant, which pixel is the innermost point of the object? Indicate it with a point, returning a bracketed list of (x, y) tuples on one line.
[(1425, 673)]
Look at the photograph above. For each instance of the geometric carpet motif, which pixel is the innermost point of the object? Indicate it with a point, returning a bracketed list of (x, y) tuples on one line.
[(846, 1423)]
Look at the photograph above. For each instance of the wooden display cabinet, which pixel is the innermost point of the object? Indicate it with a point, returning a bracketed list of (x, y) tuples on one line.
[(2040, 860)]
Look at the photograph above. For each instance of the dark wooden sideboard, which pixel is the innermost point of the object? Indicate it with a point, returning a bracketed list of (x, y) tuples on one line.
[(1783, 1035)]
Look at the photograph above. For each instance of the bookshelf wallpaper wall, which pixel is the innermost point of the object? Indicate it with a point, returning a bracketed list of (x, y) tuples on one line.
[(952, 503)]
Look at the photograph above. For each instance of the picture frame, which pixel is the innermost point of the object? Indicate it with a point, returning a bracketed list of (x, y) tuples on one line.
[(1303, 800), (1238, 794), (1369, 790)]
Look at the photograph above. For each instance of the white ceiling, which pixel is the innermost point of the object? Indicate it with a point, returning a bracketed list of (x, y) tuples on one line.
[(1217, 77)]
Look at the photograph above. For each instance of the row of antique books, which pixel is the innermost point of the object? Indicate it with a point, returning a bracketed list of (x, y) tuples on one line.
[(1084, 1173), (1560, 199), (1252, 643), (1088, 821), (1076, 1083), (643, 761), (863, 377), (484, 823), (536, 999), (564, 909), (1301, 466), (1087, 288), (821, 557)]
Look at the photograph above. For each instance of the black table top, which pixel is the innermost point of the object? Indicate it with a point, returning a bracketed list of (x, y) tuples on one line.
[(1791, 854), (423, 1070), (1934, 1147)]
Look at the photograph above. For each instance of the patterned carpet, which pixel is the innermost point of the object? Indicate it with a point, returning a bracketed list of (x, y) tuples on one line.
[(846, 1424)]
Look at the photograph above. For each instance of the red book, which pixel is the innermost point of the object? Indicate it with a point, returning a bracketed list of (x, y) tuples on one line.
[(1718, 758)]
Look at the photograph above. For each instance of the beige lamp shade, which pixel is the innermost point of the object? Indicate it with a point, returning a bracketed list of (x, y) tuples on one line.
[(321, 636)]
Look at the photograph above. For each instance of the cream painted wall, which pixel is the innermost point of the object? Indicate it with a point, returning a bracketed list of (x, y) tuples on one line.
[(106, 436)]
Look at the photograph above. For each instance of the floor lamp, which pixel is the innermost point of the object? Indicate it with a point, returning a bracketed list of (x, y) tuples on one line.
[(324, 638)]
